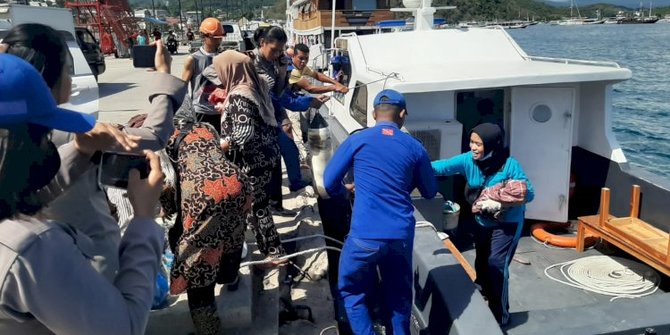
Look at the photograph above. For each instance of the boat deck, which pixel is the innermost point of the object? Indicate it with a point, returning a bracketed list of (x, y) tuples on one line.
[(540, 305)]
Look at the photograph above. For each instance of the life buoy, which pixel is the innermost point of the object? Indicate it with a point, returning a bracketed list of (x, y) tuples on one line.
[(540, 232)]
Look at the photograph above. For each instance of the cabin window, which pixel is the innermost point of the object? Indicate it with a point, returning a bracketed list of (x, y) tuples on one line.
[(359, 104), (342, 72)]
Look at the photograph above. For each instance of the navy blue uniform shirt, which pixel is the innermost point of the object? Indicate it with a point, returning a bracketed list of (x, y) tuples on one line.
[(388, 164)]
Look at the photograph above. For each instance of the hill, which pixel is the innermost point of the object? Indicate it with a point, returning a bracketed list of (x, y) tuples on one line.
[(632, 4), (466, 9)]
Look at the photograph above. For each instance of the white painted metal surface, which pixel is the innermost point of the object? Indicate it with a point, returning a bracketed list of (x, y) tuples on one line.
[(85, 93), (541, 140), (452, 59)]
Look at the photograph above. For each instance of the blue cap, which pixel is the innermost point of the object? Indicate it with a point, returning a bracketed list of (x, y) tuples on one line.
[(389, 97), (26, 98)]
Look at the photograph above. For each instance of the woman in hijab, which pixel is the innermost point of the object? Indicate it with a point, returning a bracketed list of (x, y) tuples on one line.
[(214, 201), (249, 138), (488, 166)]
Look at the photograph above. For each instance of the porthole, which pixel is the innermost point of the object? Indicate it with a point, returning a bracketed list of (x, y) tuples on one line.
[(541, 113)]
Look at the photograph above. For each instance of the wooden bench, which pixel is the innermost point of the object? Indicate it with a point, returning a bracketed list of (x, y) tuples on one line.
[(636, 237)]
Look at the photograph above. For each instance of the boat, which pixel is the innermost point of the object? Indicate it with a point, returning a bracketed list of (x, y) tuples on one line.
[(637, 18), (557, 114), (579, 20), (508, 24), (314, 22)]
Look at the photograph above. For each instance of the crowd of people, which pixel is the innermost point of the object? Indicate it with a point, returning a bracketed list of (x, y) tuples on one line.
[(223, 127)]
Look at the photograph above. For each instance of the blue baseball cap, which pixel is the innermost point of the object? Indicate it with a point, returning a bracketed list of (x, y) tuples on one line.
[(26, 98), (389, 97)]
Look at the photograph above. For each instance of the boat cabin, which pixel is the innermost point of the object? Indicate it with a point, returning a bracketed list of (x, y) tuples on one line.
[(455, 79)]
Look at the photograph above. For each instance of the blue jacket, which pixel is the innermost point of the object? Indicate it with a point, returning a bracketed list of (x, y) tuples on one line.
[(463, 164), (388, 164), (290, 100)]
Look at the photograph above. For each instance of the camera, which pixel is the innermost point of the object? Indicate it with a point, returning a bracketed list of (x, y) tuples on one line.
[(115, 168)]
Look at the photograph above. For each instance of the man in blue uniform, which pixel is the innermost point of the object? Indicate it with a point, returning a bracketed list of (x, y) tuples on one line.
[(388, 164)]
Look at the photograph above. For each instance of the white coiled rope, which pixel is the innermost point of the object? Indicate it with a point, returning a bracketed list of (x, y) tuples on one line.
[(613, 276)]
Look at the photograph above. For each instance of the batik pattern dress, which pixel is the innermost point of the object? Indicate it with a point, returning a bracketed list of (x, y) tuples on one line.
[(254, 147), (215, 201)]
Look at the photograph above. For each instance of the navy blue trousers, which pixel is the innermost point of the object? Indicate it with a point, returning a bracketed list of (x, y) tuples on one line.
[(289, 151), (358, 280), (495, 247)]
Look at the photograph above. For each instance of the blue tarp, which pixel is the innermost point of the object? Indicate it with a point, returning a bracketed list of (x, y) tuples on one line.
[(391, 23), (154, 20)]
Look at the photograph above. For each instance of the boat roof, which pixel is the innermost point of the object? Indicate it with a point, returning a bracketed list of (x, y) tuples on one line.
[(450, 59)]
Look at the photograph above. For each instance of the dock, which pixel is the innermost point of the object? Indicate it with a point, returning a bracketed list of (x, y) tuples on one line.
[(262, 296)]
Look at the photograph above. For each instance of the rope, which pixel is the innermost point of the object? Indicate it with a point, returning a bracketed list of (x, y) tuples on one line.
[(307, 237), (324, 330), (268, 261), (613, 276), (390, 75)]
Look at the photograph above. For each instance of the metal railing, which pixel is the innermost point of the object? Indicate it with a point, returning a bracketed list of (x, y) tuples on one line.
[(573, 61)]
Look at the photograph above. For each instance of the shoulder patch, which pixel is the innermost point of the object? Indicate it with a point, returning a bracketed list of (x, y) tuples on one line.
[(387, 131)]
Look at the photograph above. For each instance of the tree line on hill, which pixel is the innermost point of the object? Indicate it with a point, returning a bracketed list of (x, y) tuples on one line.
[(467, 10)]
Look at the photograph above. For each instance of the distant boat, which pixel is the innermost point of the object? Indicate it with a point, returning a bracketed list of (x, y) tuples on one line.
[(509, 24), (637, 18), (579, 20)]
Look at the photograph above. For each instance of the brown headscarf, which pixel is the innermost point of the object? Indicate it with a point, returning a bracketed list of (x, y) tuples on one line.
[(238, 76)]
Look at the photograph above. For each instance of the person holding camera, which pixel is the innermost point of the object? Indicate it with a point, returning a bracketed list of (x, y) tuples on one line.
[(84, 206), (47, 283)]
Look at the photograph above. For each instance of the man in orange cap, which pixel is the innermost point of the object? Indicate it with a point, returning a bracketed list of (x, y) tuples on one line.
[(212, 32)]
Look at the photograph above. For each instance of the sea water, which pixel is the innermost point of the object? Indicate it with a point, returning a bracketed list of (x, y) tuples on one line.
[(641, 105)]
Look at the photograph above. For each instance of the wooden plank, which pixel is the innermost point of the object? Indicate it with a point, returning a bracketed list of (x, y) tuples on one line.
[(459, 257), (604, 205), (642, 235), (635, 202), (580, 236)]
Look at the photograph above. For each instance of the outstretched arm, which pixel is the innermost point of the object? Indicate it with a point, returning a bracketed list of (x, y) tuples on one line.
[(424, 178), (451, 166)]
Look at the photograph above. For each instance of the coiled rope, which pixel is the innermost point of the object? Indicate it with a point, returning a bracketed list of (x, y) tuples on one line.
[(613, 276)]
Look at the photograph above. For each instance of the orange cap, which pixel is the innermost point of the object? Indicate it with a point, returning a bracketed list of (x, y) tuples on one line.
[(212, 28)]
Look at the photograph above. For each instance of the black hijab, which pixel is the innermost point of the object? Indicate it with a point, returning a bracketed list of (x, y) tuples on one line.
[(495, 152)]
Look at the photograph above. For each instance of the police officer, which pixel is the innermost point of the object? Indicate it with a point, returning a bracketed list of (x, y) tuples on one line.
[(388, 164)]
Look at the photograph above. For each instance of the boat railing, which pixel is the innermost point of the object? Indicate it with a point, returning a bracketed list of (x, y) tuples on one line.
[(573, 61), (325, 53)]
